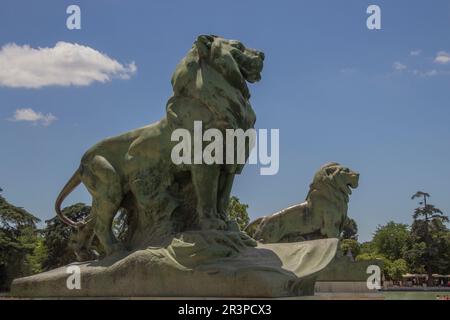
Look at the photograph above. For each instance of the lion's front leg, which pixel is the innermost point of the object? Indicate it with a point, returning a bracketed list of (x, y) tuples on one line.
[(205, 179), (225, 184), (330, 226)]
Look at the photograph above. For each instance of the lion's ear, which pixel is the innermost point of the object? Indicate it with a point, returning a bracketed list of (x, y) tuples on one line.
[(203, 45)]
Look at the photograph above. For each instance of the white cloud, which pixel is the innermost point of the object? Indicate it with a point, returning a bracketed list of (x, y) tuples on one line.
[(442, 57), (415, 52), (28, 114), (63, 65), (428, 73), (431, 73), (399, 66), (348, 70)]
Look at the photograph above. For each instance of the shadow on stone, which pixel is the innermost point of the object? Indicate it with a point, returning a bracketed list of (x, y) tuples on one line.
[(195, 264)]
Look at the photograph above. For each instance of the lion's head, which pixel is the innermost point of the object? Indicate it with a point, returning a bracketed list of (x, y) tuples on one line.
[(231, 59), (337, 178), (329, 195)]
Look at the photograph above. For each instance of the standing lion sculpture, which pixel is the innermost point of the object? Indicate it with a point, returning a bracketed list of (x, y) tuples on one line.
[(134, 171), (322, 214)]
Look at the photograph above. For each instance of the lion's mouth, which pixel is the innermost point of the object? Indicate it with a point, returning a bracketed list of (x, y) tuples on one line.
[(349, 186), (348, 189), (250, 76), (253, 77), (251, 69)]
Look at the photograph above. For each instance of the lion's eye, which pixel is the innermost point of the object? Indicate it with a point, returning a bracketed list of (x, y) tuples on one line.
[(239, 46)]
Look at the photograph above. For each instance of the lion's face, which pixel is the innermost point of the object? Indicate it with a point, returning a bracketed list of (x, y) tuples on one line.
[(346, 179), (232, 59), (342, 178)]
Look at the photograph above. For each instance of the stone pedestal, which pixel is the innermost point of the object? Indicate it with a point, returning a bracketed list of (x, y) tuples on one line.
[(346, 275), (195, 264)]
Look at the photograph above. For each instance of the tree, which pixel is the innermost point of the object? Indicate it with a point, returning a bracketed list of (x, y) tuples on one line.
[(394, 270), (17, 240), (350, 244), (370, 256), (366, 247), (349, 229), (238, 212), (434, 255), (391, 240), (415, 256), (38, 256), (428, 229), (58, 235), (427, 212)]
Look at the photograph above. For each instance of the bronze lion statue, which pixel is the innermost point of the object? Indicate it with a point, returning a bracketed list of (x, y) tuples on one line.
[(134, 172), (322, 214)]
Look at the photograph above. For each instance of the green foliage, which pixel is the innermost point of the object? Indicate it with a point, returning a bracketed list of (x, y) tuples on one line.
[(429, 248), (425, 247), (238, 212), (349, 229), (17, 240), (429, 212), (415, 256), (366, 247), (369, 256), (58, 236), (36, 259), (394, 270), (352, 245), (391, 240)]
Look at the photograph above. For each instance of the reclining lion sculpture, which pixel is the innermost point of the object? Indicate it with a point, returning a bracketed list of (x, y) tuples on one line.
[(322, 214), (134, 171)]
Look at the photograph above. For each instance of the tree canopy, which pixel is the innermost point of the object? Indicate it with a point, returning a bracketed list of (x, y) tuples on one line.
[(17, 241), (349, 229), (238, 212), (391, 239), (430, 246), (58, 235)]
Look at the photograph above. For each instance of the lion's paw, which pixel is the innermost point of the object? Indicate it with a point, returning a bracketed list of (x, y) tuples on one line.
[(85, 254), (117, 247), (213, 224)]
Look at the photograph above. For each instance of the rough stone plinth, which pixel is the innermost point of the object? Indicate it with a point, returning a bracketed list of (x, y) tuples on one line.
[(195, 264)]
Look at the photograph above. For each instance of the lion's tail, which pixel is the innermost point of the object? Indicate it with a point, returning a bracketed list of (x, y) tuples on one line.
[(73, 182), (253, 228)]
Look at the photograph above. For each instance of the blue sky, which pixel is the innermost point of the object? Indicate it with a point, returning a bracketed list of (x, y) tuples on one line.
[(376, 101)]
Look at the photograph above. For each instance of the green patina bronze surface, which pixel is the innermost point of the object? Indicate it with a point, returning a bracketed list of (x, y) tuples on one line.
[(196, 264), (180, 241), (320, 216), (134, 170)]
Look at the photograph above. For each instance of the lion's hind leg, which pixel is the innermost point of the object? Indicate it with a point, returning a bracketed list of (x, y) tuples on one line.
[(83, 240), (103, 183)]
